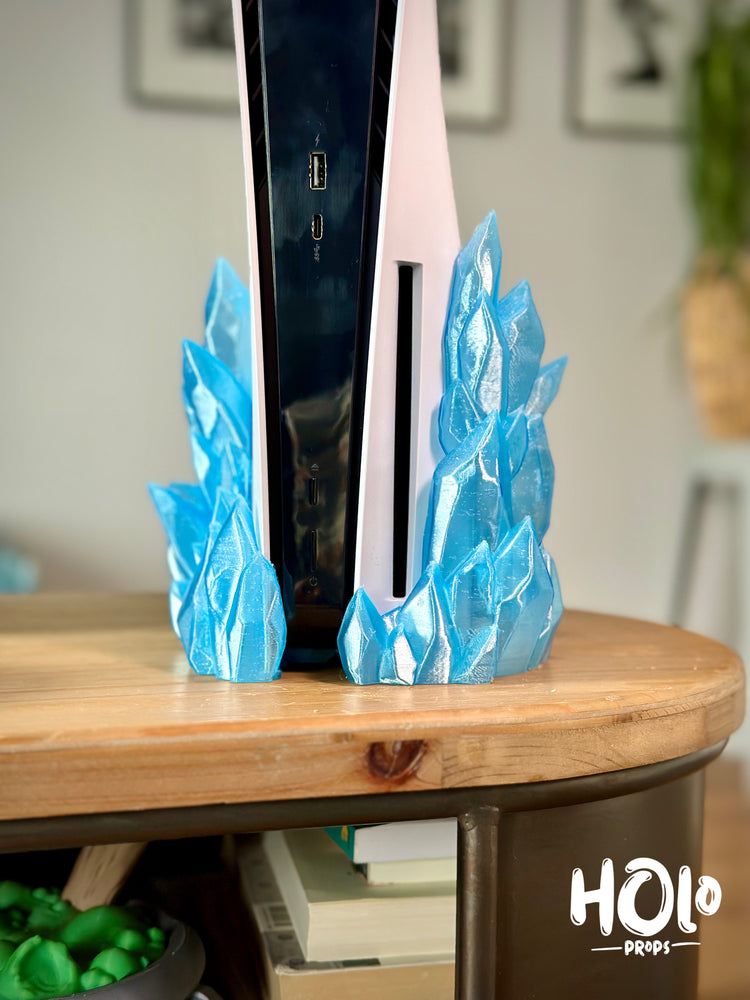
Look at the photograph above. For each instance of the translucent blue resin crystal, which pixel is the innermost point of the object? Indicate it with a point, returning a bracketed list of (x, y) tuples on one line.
[(399, 664), (468, 501), (219, 415), (458, 417), (362, 639), (428, 625), (547, 634), (483, 358), (478, 663), (477, 269), (545, 387), (516, 431), (524, 336), (524, 598), (185, 515), (232, 621), (532, 485), (488, 601), (473, 593), (228, 335), (224, 599)]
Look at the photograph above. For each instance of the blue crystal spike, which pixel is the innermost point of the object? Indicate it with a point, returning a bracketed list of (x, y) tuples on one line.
[(219, 415), (398, 664), (467, 504), (390, 620), (228, 468), (387, 672), (545, 387), (194, 625), (427, 622), (515, 429), (228, 334), (185, 515), (472, 590), (544, 644), (522, 330), (232, 621), (477, 267), (458, 416), (256, 649), (478, 664), (532, 485), (178, 590), (361, 640), (483, 357), (524, 596)]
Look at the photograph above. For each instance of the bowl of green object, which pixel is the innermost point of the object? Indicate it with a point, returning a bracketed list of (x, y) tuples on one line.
[(50, 951)]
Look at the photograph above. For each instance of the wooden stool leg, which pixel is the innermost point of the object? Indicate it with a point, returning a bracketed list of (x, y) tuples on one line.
[(740, 742), (476, 902), (688, 545), (742, 522)]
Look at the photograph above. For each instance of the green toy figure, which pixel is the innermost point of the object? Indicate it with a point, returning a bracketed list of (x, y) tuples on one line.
[(50, 949)]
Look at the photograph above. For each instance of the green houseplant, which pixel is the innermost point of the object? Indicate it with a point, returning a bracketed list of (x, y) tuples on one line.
[(717, 297)]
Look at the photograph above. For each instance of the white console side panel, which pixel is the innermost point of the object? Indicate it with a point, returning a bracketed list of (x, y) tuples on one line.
[(418, 225), (260, 462)]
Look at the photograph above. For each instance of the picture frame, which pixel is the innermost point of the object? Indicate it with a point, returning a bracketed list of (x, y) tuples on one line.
[(180, 53), (628, 61), (475, 61)]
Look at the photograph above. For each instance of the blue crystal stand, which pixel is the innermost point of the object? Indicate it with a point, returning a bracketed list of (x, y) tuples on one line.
[(225, 602), (488, 601)]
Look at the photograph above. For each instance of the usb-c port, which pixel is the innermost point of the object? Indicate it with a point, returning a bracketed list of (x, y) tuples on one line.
[(318, 170), (317, 227)]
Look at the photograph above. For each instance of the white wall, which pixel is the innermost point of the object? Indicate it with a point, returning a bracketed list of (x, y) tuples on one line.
[(110, 218)]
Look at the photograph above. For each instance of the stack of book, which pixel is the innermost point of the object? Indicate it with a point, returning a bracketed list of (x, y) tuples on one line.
[(365, 912)]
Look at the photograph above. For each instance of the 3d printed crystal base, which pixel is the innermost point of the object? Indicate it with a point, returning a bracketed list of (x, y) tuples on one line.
[(488, 601), (224, 600)]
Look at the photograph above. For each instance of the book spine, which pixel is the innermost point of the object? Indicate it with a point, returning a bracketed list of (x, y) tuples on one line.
[(343, 836), (410, 872), (289, 883)]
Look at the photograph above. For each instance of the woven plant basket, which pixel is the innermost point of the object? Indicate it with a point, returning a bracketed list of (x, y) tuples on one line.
[(716, 333)]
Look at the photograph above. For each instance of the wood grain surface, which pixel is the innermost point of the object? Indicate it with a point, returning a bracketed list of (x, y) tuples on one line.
[(99, 711), (99, 872)]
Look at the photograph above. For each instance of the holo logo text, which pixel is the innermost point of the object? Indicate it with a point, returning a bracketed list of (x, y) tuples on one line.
[(705, 897)]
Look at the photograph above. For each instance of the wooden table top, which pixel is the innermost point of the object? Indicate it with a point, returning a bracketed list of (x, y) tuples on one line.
[(99, 711)]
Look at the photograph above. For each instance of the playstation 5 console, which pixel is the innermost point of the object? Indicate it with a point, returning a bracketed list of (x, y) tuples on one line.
[(352, 239)]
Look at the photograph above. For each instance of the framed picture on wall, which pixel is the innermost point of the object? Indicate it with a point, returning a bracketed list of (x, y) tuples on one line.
[(628, 64), (475, 61), (181, 52)]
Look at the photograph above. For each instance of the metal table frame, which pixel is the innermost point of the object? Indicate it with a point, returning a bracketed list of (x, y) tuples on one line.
[(478, 810)]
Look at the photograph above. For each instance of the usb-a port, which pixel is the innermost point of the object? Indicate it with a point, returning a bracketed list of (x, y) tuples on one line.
[(318, 171), (317, 227)]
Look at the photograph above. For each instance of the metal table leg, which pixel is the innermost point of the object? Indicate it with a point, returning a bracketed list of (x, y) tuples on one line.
[(476, 903), (688, 547)]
